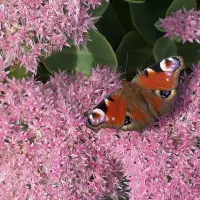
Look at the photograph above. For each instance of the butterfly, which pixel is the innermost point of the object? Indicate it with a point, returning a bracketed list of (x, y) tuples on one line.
[(138, 103)]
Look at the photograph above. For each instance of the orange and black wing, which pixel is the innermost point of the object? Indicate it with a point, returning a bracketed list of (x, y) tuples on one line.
[(161, 80), (138, 103), (110, 112), (161, 76)]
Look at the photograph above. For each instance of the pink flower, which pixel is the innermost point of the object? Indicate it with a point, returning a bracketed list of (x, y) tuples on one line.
[(164, 162), (182, 24), (32, 28), (46, 151)]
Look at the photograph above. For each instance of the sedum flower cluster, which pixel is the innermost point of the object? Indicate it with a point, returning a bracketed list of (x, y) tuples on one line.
[(46, 151), (183, 24), (30, 29)]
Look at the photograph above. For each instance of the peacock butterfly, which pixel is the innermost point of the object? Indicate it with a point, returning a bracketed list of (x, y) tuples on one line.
[(149, 95)]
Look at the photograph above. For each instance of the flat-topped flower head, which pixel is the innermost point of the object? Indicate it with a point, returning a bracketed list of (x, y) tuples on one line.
[(183, 24), (31, 29), (47, 152)]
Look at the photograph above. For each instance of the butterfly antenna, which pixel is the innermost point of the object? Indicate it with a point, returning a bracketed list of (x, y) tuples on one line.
[(138, 70), (121, 72), (126, 66)]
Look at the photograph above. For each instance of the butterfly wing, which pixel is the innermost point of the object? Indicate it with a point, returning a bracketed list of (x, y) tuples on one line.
[(139, 102), (161, 76), (162, 80), (110, 112), (152, 93)]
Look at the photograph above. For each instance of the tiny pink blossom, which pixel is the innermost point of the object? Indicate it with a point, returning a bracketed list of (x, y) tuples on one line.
[(164, 162), (32, 28), (47, 152), (182, 24)]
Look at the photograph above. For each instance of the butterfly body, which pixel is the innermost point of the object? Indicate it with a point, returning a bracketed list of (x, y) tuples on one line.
[(137, 104)]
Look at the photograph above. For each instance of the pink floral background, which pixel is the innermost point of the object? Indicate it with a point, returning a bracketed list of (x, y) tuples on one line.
[(46, 151)]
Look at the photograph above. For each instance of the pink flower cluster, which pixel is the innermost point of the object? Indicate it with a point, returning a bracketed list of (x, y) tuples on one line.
[(164, 161), (46, 151), (33, 28), (182, 24)]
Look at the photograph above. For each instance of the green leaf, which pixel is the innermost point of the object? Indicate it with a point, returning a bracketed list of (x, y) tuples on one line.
[(163, 48), (122, 11), (190, 52), (180, 4), (135, 1), (98, 12), (18, 72), (98, 51), (43, 74), (145, 15), (133, 53), (110, 23), (157, 25)]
